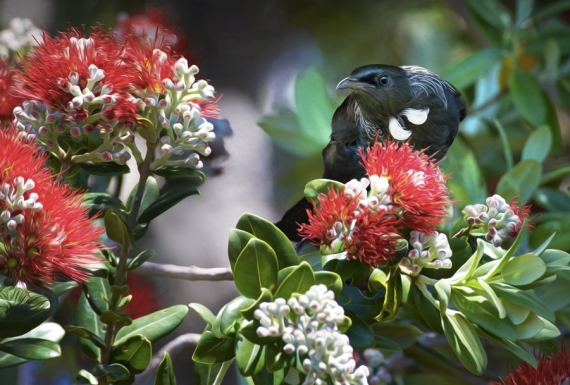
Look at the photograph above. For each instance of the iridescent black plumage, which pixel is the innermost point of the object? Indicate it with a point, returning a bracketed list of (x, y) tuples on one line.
[(401, 103)]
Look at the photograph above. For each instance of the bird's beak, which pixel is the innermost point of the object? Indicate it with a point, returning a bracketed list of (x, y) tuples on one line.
[(352, 83)]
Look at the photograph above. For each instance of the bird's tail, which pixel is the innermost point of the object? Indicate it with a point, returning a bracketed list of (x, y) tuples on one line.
[(296, 215)]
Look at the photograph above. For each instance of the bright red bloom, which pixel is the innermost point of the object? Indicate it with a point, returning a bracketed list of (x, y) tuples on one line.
[(522, 211), (417, 186), (49, 67), (340, 223), (44, 230), (551, 370), (8, 100)]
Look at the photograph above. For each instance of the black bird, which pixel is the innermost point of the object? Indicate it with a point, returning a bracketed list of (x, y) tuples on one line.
[(402, 103)]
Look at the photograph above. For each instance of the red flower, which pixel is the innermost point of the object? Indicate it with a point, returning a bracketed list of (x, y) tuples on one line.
[(417, 186), (522, 212), (550, 371), (341, 223), (8, 100), (45, 232), (57, 64)]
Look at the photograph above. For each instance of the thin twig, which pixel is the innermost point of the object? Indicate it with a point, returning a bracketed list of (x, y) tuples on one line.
[(487, 103), (174, 348), (190, 273)]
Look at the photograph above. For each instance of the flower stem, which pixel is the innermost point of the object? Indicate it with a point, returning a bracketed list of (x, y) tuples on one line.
[(121, 273), (464, 231)]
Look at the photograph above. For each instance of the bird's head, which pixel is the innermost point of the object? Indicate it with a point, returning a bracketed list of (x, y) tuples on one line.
[(381, 88)]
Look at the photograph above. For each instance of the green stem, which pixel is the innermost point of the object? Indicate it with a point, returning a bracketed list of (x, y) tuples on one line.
[(121, 273), (66, 164), (464, 231)]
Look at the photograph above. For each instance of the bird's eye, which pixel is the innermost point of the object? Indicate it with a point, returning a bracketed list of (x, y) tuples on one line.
[(384, 79)]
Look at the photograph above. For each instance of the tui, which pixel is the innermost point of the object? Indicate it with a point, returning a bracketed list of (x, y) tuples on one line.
[(402, 103)]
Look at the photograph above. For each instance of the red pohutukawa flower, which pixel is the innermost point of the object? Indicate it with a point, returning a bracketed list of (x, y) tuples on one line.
[(551, 370), (66, 70), (417, 186), (341, 223), (45, 232), (8, 101)]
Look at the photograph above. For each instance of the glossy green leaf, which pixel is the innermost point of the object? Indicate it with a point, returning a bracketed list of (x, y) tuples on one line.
[(31, 348), (405, 335), (117, 229), (522, 180), (266, 377), (135, 353), (555, 260), (165, 372), (275, 358), (154, 326), (538, 145), (82, 332), (211, 349), (21, 311), (141, 258), (531, 326), (179, 172), (269, 233), (466, 271), (321, 186), (86, 317), (516, 347), (114, 372), (464, 341), (115, 317), (150, 195), (146, 129), (203, 312), (97, 202), (443, 289), (298, 281), (386, 345), (359, 333), (105, 169), (237, 242), (549, 331), (85, 378), (552, 199), (523, 298), (165, 202), (544, 230), (250, 358), (230, 316), (517, 314), (49, 331), (331, 280), (523, 270), (265, 296), (365, 307), (467, 71), (210, 374), (256, 267)]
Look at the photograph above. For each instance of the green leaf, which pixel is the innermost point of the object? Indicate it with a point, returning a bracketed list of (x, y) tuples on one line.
[(549, 331), (517, 314), (466, 271), (387, 345), (50, 331), (530, 327), (105, 169), (82, 332), (331, 280), (146, 129), (165, 202), (210, 374), (538, 145), (97, 202), (524, 10), (230, 316), (141, 258), (443, 289), (85, 378), (203, 312), (464, 341), (117, 229), (114, 372), (555, 260), (552, 199), (467, 71), (516, 347), (491, 18), (523, 270), (211, 349), (117, 318), (250, 357), (365, 307), (266, 377), (321, 186), (359, 333), (165, 372), (269, 233), (179, 172), (560, 226), (150, 195), (256, 267), (98, 293), (135, 353), (265, 296), (298, 281), (86, 317), (404, 335), (523, 298), (237, 242), (31, 348), (21, 311), (521, 180), (154, 326)]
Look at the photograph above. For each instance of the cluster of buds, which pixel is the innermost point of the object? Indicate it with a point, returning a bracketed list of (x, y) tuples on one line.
[(19, 37), (312, 332), (376, 363), (496, 219), (429, 250), (377, 199), (180, 116), (15, 204)]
